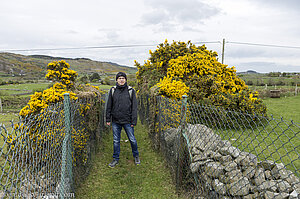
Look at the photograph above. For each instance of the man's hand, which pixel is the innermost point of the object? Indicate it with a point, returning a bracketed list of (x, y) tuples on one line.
[(108, 123), (131, 125)]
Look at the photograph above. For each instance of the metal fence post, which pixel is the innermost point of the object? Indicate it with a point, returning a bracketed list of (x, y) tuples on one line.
[(66, 150), (183, 112), (159, 113), (180, 163)]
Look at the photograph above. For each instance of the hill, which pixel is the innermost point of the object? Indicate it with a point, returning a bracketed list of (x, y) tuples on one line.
[(247, 72), (34, 66)]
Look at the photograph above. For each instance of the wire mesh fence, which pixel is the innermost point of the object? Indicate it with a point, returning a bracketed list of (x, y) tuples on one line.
[(45, 155), (218, 153)]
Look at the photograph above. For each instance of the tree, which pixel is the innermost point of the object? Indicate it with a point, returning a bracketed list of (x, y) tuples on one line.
[(83, 79), (95, 76)]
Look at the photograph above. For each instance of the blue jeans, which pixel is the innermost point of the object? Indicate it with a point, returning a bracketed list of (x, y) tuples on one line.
[(117, 136)]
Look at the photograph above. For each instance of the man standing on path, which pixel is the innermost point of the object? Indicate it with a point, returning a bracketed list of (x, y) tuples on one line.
[(121, 112)]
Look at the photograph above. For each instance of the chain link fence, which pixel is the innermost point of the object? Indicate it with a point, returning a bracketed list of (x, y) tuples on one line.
[(218, 153), (46, 155)]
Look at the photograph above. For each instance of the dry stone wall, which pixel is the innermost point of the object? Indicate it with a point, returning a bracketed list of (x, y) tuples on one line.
[(226, 172)]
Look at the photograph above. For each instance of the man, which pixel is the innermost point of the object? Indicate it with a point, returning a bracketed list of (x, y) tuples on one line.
[(121, 112)]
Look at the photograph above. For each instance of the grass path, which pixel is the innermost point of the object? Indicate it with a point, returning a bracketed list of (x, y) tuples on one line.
[(151, 179)]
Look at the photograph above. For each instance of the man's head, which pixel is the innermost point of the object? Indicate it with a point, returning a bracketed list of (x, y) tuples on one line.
[(121, 78)]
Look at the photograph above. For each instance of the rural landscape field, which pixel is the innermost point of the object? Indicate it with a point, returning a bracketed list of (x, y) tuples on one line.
[(280, 93), (17, 84)]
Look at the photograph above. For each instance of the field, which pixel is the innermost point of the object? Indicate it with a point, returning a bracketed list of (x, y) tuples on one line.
[(271, 79), (23, 88), (287, 107), (277, 139)]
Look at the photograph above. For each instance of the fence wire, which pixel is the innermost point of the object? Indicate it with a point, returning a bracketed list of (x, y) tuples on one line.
[(218, 153), (45, 155)]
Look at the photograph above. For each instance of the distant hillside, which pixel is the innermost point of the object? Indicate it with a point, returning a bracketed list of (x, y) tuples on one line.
[(35, 65), (248, 72)]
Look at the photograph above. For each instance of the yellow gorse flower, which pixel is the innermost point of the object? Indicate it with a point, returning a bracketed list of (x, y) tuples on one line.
[(183, 68)]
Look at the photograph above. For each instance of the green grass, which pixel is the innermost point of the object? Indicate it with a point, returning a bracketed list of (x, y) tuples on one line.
[(5, 118), (277, 140), (288, 108), (28, 86), (104, 87), (151, 179)]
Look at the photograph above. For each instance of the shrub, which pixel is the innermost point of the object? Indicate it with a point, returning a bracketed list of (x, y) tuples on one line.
[(199, 74), (35, 115)]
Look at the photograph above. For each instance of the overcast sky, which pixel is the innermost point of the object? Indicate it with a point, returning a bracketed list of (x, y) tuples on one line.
[(45, 24)]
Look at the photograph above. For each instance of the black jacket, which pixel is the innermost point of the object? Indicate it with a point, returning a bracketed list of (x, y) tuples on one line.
[(120, 107)]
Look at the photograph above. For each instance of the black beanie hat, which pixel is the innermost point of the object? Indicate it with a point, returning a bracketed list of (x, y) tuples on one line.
[(121, 74)]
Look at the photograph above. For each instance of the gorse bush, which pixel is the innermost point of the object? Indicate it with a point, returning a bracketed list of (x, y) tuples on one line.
[(172, 88), (64, 78), (36, 115), (183, 68), (59, 71)]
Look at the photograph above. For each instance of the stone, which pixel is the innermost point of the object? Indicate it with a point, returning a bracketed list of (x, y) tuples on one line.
[(283, 186), (242, 160), (268, 175), (292, 179), (267, 164), (214, 169), (230, 150), (202, 137), (251, 196), (249, 172), (216, 156), (209, 153), (226, 142), (239, 188), (233, 176), (219, 187), (272, 195), (253, 159), (294, 195), (230, 166), (195, 151), (279, 171), (247, 159), (296, 187), (221, 158), (266, 185), (170, 135), (259, 176), (199, 157), (196, 165)]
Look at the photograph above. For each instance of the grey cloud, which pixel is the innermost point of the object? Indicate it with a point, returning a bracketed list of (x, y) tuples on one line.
[(112, 35), (177, 11), (289, 4), (72, 32), (243, 52), (191, 29), (156, 17), (107, 29)]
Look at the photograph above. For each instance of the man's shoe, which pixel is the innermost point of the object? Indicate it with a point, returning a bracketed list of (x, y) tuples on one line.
[(113, 163), (137, 160)]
